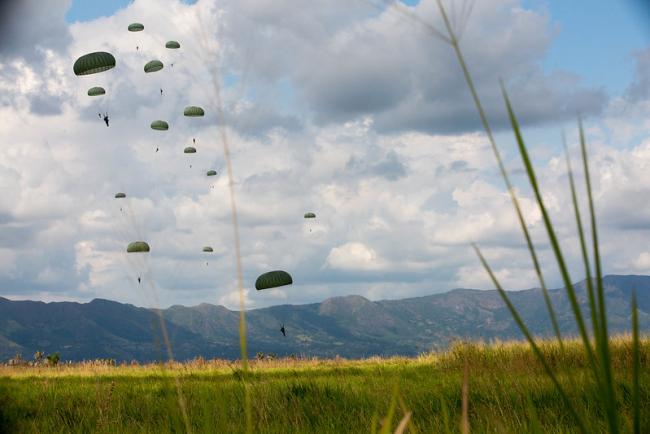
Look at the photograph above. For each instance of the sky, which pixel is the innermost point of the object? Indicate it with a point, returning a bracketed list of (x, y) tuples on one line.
[(352, 110)]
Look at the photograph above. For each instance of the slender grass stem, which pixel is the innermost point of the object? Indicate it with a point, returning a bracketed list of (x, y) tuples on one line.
[(248, 413), (564, 272), (453, 41), (240, 278), (605, 357), (583, 247), (398, 9)]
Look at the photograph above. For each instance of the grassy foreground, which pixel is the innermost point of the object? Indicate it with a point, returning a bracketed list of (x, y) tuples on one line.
[(508, 392)]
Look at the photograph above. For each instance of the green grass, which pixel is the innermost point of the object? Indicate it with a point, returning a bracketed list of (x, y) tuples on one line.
[(591, 384), (508, 391)]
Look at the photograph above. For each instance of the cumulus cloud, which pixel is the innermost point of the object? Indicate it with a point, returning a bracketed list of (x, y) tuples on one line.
[(392, 68), (29, 26), (338, 109), (627, 115), (232, 299), (34, 36), (642, 263), (353, 256)]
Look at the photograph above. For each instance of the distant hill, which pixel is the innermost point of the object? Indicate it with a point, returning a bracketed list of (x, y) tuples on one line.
[(350, 326)]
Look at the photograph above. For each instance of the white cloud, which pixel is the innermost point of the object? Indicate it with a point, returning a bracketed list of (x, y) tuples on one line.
[(354, 256), (642, 263), (475, 276), (232, 299), (390, 68), (396, 210)]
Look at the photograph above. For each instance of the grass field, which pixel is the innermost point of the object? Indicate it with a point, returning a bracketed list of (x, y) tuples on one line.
[(508, 392)]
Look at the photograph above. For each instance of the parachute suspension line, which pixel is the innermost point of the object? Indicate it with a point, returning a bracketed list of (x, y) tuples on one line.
[(122, 233), (130, 215), (107, 104), (235, 227), (274, 279)]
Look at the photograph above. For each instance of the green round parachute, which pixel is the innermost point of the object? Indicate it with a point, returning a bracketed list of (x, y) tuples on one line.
[(190, 150), (96, 91), (93, 63), (137, 247), (273, 279), (172, 45), (135, 27), (212, 172), (310, 215), (208, 249), (193, 111), (120, 195), (159, 125), (153, 66)]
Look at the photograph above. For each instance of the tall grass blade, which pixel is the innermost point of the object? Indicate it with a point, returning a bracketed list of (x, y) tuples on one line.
[(453, 41), (636, 367), (605, 357), (583, 247), (566, 278), (531, 341)]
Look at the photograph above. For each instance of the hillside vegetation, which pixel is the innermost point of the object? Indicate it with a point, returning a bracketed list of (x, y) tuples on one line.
[(351, 327), (508, 391)]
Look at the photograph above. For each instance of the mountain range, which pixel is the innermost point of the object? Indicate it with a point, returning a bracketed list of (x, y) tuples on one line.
[(350, 326)]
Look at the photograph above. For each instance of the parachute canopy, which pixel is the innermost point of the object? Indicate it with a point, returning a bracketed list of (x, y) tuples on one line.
[(93, 63), (310, 215), (120, 195), (137, 247), (212, 172), (173, 45), (190, 150), (273, 279), (208, 249), (136, 27), (153, 66), (159, 125), (96, 91), (193, 111)]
